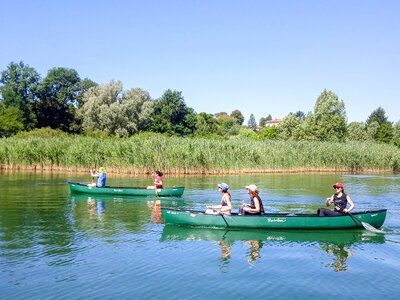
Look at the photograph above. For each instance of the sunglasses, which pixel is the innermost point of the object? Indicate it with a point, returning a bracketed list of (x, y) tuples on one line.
[(336, 187)]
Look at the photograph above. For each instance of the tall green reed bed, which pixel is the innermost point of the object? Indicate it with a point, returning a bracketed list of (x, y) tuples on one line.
[(172, 154)]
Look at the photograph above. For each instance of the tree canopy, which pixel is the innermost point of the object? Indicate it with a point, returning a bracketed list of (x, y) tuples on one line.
[(329, 117), (252, 122), (237, 115), (57, 98), (11, 120), (108, 108), (18, 89), (172, 116)]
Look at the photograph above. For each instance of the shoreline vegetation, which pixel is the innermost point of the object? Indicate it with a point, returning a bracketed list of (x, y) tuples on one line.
[(142, 153)]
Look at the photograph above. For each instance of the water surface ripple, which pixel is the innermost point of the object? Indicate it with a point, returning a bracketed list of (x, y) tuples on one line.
[(57, 245)]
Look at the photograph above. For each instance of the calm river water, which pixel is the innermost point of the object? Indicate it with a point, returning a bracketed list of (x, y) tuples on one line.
[(54, 245)]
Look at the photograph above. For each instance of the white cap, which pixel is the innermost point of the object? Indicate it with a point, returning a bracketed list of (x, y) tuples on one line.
[(251, 187)]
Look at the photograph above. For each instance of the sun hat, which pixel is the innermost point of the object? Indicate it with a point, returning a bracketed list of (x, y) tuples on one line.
[(223, 186), (340, 185), (251, 187), (102, 170)]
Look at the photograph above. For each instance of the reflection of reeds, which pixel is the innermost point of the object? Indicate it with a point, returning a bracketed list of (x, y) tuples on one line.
[(140, 154)]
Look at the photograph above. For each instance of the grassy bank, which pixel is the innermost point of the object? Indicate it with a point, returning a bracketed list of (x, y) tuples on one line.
[(139, 154)]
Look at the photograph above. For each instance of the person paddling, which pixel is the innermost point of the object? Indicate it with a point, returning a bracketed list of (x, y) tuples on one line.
[(340, 199), (101, 178), (256, 206), (226, 204), (158, 182)]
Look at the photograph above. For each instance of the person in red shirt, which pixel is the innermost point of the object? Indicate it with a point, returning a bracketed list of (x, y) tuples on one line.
[(157, 179)]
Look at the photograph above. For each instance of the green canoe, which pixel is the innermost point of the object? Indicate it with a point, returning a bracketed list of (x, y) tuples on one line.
[(273, 220), (128, 191)]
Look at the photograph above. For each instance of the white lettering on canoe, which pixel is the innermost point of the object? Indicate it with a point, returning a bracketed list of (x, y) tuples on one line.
[(374, 215), (279, 220), (115, 190), (192, 215)]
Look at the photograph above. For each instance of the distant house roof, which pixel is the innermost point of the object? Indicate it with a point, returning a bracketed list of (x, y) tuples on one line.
[(274, 121), (271, 123)]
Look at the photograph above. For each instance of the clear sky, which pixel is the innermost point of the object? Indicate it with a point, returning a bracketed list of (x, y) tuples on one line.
[(261, 57)]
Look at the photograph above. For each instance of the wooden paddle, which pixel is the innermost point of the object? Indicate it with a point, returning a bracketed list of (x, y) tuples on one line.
[(155, 187), (95, 163)]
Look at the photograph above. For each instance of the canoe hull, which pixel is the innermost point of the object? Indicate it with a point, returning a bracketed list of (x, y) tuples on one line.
[(281, 221), (78, 187)]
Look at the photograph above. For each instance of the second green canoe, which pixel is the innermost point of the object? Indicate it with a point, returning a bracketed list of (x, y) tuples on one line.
[(129, 191), (273, 220)]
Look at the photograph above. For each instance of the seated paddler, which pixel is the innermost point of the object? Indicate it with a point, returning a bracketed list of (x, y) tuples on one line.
[(101, 178), (255, 207), (226, 205), (340, 199)]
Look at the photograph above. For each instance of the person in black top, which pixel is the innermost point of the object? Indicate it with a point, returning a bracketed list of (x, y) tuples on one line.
[(340, 199), (256, 206)]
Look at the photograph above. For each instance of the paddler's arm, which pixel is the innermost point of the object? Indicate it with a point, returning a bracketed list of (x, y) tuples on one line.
[(329, 201), (256, 204)]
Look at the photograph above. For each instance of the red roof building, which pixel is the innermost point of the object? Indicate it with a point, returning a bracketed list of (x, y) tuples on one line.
[(271, 123)]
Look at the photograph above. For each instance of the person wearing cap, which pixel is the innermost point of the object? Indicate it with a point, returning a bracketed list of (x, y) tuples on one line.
[(226, 205), (340, 199), (101, 178), (256, 206)]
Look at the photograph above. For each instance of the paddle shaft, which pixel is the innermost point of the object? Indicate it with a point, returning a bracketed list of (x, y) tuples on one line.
[(155, 187), (222, 215), (355, 220), (95, 164)]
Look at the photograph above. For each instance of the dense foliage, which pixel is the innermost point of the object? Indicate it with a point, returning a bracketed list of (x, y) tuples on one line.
[(63, 101)]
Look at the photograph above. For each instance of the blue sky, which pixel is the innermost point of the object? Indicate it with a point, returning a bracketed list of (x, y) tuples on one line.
[(261, 57)]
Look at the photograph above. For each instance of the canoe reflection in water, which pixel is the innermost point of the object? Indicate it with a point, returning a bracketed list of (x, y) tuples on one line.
[(339, 244), (340, 254)]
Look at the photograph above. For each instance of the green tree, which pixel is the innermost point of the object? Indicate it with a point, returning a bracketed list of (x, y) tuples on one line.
[(247, 132), (385, 133), (269, 133), (227, 126), (11, 120), (378, 115), (264, 119), (237, 115), (356, 131), (206, 124), (172, 116), (396, 133), (84, 86), (58, 98), (306, 130), (288, 126), (329, 117), (301, 115), (19, 85), (252, 122), (107, 108), (372, 130), (222, 116)]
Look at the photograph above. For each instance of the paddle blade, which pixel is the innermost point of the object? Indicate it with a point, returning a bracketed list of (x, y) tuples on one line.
[(371, 228)]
